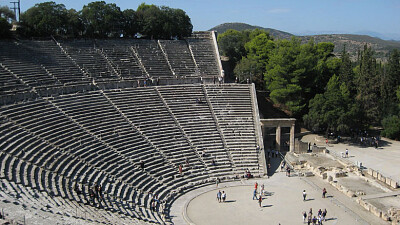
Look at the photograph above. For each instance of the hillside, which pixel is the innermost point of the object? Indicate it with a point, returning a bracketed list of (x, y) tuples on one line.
[(243, 26), (353, 42)]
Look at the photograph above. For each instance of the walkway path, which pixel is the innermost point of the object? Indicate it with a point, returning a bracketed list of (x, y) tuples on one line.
[(283, 205), (385, 159)]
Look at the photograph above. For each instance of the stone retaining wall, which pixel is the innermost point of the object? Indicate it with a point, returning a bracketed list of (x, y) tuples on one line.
[(389, 181)]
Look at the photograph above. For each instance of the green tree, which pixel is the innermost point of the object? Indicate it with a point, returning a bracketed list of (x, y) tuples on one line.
[(7, 13), (231, 43), (149, 20), (368, 86), (4, 28), (296, 72), (391, 127), (45, 19), (390, 81), (102, 20), (334, 110), (130, 23), (74, 24), (163, 22)]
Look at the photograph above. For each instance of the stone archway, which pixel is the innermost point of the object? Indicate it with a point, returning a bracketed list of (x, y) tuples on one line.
[(278, 123)]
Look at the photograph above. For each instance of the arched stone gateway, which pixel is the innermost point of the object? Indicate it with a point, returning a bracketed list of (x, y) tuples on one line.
[(278, 123)]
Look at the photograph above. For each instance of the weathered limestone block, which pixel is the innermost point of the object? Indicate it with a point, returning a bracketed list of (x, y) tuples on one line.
[(393, 184), (308, 174), (330, 178), (370, 171), (324, 176), (340, 174), (376, 211)]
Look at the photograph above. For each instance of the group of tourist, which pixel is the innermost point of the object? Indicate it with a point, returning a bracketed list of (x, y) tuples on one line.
[(261, 193), (154, 201), (221, 196), (95, 192), (316, 219)]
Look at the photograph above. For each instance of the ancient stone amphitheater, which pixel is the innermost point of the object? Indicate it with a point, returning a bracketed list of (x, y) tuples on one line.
[(144, 121)]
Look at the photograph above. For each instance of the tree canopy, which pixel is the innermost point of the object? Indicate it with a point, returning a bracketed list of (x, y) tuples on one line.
[(324, 91), (101, 19)]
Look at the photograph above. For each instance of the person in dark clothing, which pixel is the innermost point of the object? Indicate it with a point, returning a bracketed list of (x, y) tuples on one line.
[(141, 165)]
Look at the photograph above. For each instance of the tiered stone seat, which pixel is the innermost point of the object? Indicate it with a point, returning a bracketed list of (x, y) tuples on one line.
[(98, 116), (199, 125), (179, 57), (51, 200), (152, 58), (144, 108), (50, 56), (203, 50), (233, 108), (120, 54), (86, 55), (112, 166), (21, 61), (10, 84)]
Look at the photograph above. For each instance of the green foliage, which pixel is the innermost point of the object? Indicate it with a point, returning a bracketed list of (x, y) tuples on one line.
[(231, 43), (390, 81), (163, 22), (7, 13), (101, 19), (367, 79), (296, 72), (391, 125), (130, 26), (45, 19), (4, 28), (333, 110)]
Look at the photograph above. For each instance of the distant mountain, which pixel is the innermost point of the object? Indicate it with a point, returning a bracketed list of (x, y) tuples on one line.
[(243, 26), (353, 42)]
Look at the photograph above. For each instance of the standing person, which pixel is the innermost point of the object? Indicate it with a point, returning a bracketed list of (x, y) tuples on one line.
[(219, 195), (324, 193), (288, 171), (304, 195), (99, 193), (347, 153), (256, 186), (141, 165), (326, 141), (180, 169), (92, 195), (223, 196), (309, 219), (255, 194), (304, 216), (314, 220), (262, 191), (260, 200), (324, 214), (217, 181)]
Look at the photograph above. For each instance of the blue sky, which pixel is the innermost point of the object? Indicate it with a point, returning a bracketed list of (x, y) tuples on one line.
[(374, 17)]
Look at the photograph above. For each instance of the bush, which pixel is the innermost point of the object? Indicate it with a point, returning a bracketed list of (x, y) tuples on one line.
[(4, 28), (391, 126)]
